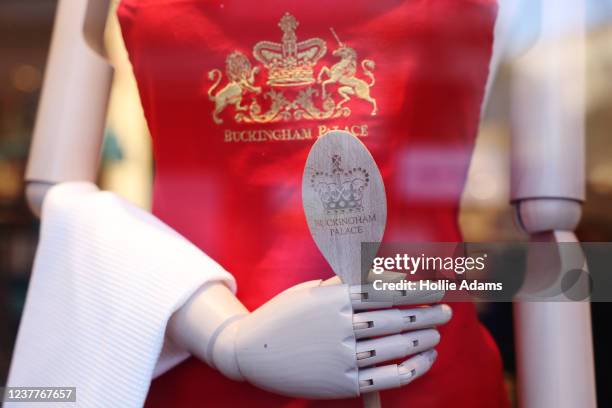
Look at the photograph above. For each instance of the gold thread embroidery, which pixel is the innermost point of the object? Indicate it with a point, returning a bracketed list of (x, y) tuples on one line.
[(291, 64), (241, 77)]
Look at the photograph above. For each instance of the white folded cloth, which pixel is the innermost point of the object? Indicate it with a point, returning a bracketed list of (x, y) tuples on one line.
[(107, 276)]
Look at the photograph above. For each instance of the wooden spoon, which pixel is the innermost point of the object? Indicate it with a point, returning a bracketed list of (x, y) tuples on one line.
[(345, 204)]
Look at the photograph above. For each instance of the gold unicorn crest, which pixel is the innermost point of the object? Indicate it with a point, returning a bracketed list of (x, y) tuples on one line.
[(291, 64)]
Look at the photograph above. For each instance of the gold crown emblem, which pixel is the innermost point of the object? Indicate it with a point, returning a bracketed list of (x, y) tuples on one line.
[(290, 63)]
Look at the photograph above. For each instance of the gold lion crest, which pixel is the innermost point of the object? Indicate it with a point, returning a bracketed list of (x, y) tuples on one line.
[(289, 64)]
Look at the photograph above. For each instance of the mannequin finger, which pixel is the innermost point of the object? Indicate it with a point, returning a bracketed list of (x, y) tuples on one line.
[(305, 285), (367, 297), (386, 276), (375, 351), (332, 281), (391, 321), (395, 375)]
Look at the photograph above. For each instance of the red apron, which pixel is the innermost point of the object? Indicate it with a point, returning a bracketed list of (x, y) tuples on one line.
[(236, 92)]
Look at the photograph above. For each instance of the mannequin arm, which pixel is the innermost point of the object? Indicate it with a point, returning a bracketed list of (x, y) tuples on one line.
[(315, 340), (555, 356), (72, 110)]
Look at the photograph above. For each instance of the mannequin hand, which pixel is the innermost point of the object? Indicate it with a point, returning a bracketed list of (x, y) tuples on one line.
[(314, 341)]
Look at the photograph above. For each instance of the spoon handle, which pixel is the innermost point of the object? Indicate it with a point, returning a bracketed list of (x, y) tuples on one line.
[(371, 400)]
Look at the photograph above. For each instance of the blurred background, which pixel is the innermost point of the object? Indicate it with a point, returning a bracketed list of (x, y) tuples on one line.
[(25, 31)]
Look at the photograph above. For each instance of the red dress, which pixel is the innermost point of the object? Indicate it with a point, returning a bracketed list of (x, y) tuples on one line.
[(234, 97)]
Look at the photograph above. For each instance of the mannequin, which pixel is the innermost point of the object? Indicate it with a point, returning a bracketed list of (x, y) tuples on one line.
[(213, 320)]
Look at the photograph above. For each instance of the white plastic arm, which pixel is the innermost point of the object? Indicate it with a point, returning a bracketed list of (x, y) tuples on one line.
[(72, 110), (548, 111), (310, 341), (554, 344)]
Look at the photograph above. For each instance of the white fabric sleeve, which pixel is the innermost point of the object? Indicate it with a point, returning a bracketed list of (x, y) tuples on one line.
[(107, 276)]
